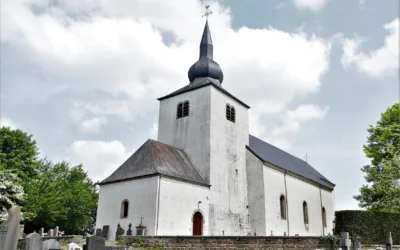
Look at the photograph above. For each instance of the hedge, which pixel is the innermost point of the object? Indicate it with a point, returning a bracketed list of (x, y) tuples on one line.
[(369, 227)]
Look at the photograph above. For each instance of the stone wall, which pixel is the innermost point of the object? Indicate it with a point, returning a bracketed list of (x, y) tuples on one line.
[(223, 242), (373, 247)]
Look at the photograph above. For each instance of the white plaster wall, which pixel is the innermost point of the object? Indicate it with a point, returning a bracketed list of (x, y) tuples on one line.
[(178, 203), (299, 191), (274, 187), (191, 133), (328, 201), (256, 194), (142, 196), (217, 149), (228, 205)]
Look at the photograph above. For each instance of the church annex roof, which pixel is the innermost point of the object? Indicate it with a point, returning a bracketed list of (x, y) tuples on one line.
[(156, 158), (271, 154)]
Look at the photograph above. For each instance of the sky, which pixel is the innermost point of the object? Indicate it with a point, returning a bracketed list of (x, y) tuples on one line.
[(83, 77)]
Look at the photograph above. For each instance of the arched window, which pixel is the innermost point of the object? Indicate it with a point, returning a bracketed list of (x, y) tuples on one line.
[(324, 216), (182, 109), (124, 208), (305, 213), (185, 108), (283, 207), (230, 113)]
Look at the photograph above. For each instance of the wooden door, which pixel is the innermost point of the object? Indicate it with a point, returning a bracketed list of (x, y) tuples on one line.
[(197, 223)]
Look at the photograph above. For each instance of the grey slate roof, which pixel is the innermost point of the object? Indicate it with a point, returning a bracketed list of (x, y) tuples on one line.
[(154, 158), (200, 83), (269, 153)]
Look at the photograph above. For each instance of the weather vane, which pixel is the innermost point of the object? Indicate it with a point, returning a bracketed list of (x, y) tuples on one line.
[(208, 12)]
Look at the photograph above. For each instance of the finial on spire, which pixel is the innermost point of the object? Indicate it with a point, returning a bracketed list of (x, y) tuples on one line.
[(207, 13)]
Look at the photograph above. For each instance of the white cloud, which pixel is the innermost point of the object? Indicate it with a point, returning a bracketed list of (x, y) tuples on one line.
[(118, 50), (291, 123), (376, 63), (93, 125), (314, 5), (6, 122), (99, 158)]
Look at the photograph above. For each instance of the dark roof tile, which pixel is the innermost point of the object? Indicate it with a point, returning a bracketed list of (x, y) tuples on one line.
[(280, 158), (154, 157)]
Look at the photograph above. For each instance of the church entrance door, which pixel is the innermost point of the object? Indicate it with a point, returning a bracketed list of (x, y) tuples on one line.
[(197, 223)]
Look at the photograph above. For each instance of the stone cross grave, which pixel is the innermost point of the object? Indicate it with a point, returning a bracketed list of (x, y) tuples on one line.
[(32, 242), (95, 243), (345, 242), (51, 244), (9, 231)]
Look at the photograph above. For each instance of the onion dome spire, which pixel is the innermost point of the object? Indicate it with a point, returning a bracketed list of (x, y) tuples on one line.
[(206, 66)]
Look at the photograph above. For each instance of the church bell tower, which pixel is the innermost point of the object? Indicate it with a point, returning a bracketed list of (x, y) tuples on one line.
[(211, 126)]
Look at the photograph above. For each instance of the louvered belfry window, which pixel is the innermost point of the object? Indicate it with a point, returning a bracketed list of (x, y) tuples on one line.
[(182, 109), (230, 113), (185, 108)]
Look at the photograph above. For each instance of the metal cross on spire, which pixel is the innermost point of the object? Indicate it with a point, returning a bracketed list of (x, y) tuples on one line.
[(207, 13)]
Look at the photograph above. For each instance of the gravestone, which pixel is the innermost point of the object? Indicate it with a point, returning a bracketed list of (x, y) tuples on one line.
[(357, 245), (51, 244), (9, 231), (120, 231), (345, 242), (41, 232), (98, 232), (73, 246), (32, 242), (21, 231), (105, 231), (389, 241), (55, 233), (50, 233), (95, 243)]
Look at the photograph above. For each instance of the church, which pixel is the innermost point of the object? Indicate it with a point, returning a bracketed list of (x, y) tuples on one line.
[(206, 175)]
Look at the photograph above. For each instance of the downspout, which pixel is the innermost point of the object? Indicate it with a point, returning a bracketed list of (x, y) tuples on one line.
[(322, 215), (287, 204), (158, 204)]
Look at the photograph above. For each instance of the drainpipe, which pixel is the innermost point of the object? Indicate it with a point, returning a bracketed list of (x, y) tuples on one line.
[(287, 204), (158, 204), (322, 215)]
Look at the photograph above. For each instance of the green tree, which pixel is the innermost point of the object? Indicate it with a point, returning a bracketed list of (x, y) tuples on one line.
[(18, 152), (62, 196), (11, 192), (382, 191)]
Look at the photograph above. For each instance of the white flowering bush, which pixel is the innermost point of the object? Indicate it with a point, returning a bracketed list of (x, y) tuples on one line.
[(11, 192)]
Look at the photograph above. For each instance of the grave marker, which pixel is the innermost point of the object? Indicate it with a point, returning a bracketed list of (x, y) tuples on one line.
[(55, 231), (32, 242), (74, 246), (51, 244), (105, 231), (95, 243), (345, 242), (389, 241), (9, 231), (98, 232)]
